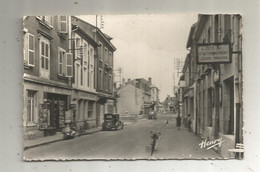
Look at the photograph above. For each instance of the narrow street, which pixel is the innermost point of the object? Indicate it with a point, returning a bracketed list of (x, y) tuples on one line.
[(133, 142)]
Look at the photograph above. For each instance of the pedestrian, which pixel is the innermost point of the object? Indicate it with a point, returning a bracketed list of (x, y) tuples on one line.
[(178, 121), (189, 122)]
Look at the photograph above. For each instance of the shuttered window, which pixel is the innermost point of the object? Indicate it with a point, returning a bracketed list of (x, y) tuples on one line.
[(69, 63)]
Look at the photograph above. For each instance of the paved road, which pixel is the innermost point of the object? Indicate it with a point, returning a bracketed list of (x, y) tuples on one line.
[(133, 142)]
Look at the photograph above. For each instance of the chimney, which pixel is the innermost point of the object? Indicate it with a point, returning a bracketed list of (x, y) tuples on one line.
[(150, 80)]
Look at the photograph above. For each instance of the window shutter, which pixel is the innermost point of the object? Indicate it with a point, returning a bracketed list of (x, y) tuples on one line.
[(31, 50), (26, 47), (63, 24), (69, 63)]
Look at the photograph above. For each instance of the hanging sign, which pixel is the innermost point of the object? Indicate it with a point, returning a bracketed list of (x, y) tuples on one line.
[(213, 53)]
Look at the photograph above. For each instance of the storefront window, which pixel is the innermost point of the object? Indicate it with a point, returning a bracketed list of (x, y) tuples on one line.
[(90, 109), (31, 105)]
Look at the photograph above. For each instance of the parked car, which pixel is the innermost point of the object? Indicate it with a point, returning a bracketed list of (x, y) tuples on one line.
[(112, 121), (152, 115)]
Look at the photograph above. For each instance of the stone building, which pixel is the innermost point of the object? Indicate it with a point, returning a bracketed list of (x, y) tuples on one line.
[(47, 74), (68, 66), (103, 100), (155, 98), (84, 94), (212, 89)]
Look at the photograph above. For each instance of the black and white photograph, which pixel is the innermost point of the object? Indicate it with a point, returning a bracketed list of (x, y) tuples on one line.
[(133, 87)]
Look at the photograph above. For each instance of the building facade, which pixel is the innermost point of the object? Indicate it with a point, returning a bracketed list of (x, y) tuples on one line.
[(104, 100), (68, 66), (84, 95), (155, 98), (47, 74), (212, 92)]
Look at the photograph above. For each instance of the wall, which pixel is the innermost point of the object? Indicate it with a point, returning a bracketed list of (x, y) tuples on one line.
[(130, 100)]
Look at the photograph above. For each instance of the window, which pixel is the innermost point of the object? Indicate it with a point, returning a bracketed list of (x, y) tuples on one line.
[(105, 82), (86, 109), (46, 20), (31, 105), (100, 51), (63, 24), (110, 59), (227, 26), (100, 79), (69, 63), (106, 56), (85, 55), (29, 49), (44, 57), (79, 51), (61, 61), (110, 82), (90, 109), (216, 28), (91, 67), (208, 36)]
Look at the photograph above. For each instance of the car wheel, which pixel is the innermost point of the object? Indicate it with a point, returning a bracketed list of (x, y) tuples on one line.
[(108, 126)]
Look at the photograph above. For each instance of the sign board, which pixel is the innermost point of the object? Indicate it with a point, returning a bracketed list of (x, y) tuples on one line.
[(56, 90), (213, 53)]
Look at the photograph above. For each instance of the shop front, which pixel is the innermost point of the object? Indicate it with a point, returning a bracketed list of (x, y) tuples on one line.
[(53, 109), (85, 111), (44, 109)]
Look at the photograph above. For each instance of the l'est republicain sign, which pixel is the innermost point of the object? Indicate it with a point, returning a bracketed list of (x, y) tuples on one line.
[(213, 53)]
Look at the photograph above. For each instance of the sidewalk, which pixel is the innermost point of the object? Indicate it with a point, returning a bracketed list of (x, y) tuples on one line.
[(51, 139), (181, 144)]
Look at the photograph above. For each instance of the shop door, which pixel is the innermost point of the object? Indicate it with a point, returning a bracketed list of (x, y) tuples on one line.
[(54, 113)]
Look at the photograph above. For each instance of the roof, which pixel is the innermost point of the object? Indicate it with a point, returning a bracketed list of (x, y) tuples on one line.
[(190, 38), (153, 86), (201, 24), (85, 34), (91, 29)]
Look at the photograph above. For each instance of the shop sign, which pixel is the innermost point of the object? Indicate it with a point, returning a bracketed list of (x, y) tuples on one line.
[(89, 96), (56, 90), (213, 53)]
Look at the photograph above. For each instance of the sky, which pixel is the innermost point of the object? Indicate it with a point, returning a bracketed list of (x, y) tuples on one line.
[(147, 45)]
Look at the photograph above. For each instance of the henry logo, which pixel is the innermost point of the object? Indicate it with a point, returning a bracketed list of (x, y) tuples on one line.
[(211, 144)]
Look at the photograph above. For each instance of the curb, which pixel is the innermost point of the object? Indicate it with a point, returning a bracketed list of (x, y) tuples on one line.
[(59, 139)]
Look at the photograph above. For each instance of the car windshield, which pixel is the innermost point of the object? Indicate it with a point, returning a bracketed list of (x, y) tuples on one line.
[(108, 116)]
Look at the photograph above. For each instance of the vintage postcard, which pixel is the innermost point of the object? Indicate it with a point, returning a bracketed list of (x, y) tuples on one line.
[(130, 87)]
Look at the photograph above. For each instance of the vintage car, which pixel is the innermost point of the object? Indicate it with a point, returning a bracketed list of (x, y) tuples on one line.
[(152, 115), (111, 121)]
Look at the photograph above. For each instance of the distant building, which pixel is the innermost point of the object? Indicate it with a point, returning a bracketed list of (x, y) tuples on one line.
[(170, 103), (155, 98), (135, 97)]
